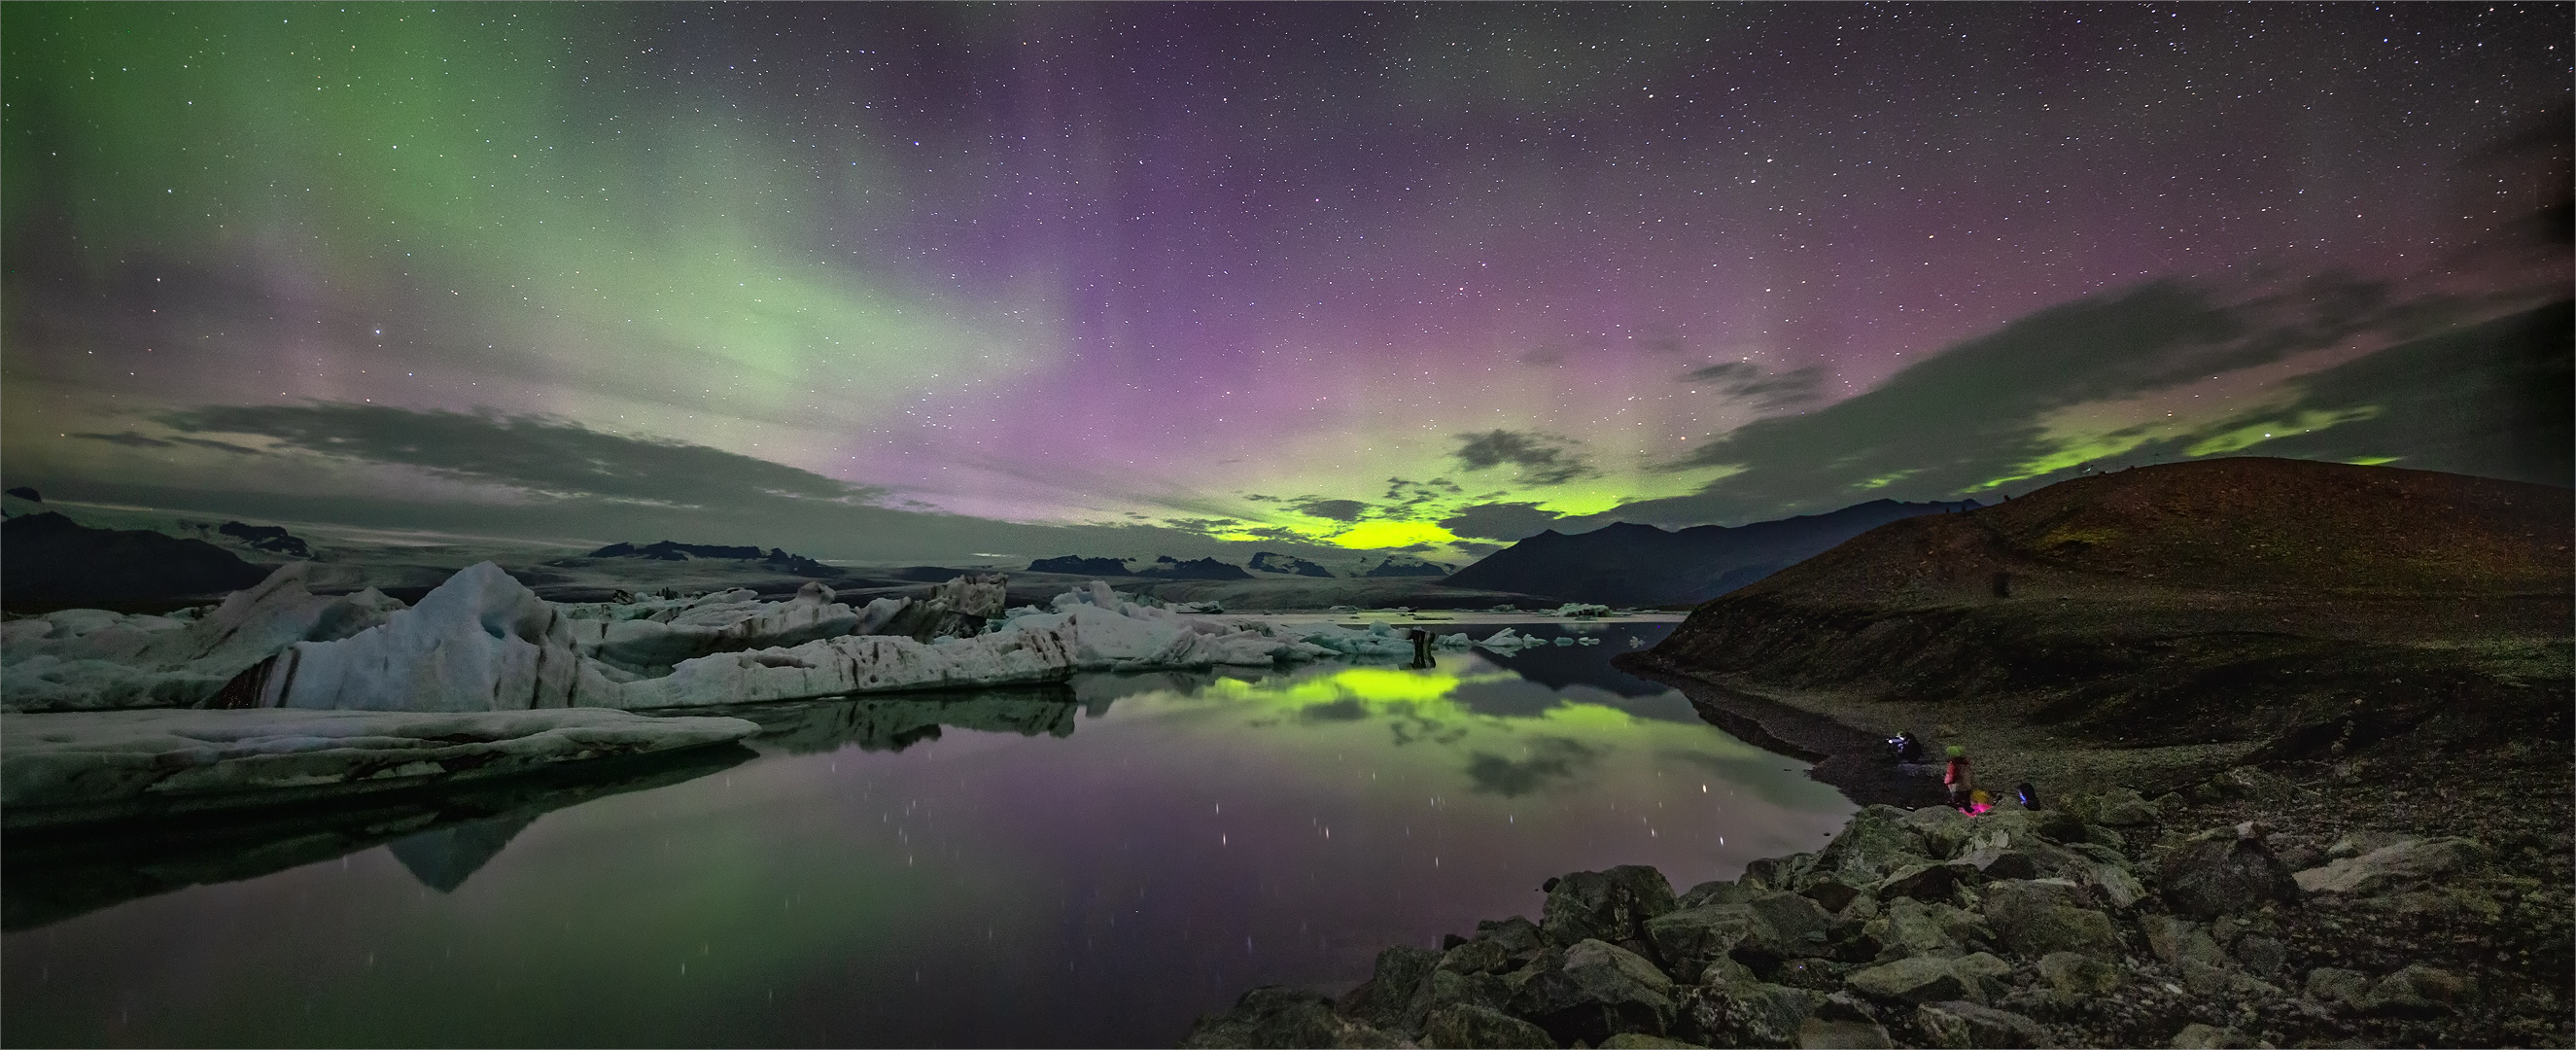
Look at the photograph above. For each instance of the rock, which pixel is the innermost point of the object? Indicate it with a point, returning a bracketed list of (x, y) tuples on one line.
[(2208, 979), (1962, 1025), (1465, 1025), (2073, 974), (2198, 1036), (1913, 927), (1778, 873), (1743, 1013), (1921, 979), (1640, 1041), (2360, 842), (1477, 956), (1981, 969), (1394, 984), (2213, 875), (2174, 940), (1843, 1021), (2036, 917), (1610, 906), (1691, 939), (1272, 1016), (1452, 987), (1929, 881), (2404, 862), (2060, 826), (1878, 840), (2262, 955), (1519, 937), (2328, 984), (1713, 892), (1787, 926), (1832, 894), (1592, 990), (2122, 808), (2418, 990)]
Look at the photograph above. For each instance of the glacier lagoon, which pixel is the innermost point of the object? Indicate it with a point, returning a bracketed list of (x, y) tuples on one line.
[(1089, 864)]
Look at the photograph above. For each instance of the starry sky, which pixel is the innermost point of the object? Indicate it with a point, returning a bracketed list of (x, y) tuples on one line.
[(923, 281)]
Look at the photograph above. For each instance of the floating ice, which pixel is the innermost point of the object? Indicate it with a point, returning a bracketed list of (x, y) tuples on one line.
[(82, 659)]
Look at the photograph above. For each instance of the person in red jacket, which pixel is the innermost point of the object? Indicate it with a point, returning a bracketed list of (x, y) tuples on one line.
[(1962, 779)]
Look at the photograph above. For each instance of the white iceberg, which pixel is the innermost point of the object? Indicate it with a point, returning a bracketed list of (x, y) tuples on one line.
[(88, 659), (1510, 641), (79, 766)]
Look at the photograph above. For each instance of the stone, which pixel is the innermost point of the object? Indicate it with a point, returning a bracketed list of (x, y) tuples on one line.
[(1962, 1025), (2060, 826), (2401, 863), (2122, 808), (1715, 891), (1831, 893), (1878, 840), (2329, 984), (1641, 1041), (2174, 940), (1691, 939), (1450, 987), (1519, 937), (1787, 926), (2418, 990), (1920, 979), (1778, 873), (1843, 1021), (1273, 1016), (1744, 1013), (1983, 973), (2112, 883), (1608, 905), (1928, 881), (1465, 1025), (2075, 974), (1913, 927), (2360, 842), (1381, 1000), (2198, 1036), (1592, 990), (1477, 956), (2207, 979), (2213, 875), (2263, 956), (2036, 917)]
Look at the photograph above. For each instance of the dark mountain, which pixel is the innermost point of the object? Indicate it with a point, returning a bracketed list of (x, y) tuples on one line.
[(666, 550), (1266, 561), (23, 492), (1077, 565), (1405, 566), (1169, 568), (270, 538), (48, 559), (1624, 564)]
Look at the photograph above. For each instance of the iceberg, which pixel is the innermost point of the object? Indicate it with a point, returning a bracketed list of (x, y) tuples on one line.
[(89, 659), (80, 766)]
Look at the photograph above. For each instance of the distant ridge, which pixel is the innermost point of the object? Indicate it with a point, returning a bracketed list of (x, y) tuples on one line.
[(667, 550), (1165, 567), (48, 559), (1626, 564)]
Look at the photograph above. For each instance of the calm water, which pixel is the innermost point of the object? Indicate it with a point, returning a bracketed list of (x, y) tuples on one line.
[(1085, 866)]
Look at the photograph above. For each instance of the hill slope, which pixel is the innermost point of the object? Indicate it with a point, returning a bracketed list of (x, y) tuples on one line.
[(1624, 564)]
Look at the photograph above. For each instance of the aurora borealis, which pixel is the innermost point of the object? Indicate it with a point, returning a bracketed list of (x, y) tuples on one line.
[(898, 281)]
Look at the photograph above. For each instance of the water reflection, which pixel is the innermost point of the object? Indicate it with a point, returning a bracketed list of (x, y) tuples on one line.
[(1094, 863)]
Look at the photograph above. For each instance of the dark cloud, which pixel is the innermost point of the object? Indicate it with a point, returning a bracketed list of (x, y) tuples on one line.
[(1544, 459), (534, 453), (128, 439), (1329, 509), (1551, 761), (1501, 521), (1746, 380), (1975, 413)]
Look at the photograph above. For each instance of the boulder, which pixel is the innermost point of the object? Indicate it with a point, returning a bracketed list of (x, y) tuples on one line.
[(1778, 873), (1273, 1016), (1639, 1041), (2076, 975), (1832, 893), (2219, 873), (1714, 892), (1465, 1025), (2262, 956), (1519, 937), (1451, 987), (1877, 841), (1483, 955), (1843, 1021), (2038, 916), (2174, 940), (1743, 1013), (1591, 990), (1787, 926), (1928, 881), (1920, 979), (2329, 984), (1380, 1001), (1913, 927), (2123, 808), (1610, 906), (1692, 938), (2206, 979), (2198, 1036), (2418, 990), (1962, 1025), (2404, 862)]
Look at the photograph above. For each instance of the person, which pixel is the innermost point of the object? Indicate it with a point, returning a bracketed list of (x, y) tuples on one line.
[(2029, 795), (1422, 649), (1908, 748), (1960, 778)]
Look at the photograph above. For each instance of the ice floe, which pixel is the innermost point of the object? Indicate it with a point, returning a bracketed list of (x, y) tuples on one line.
[(84, 659), (79, 766)]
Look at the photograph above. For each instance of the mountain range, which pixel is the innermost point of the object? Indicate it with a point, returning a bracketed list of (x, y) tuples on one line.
[(1641, 565)]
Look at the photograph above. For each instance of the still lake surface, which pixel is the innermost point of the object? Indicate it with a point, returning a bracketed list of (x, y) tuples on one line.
[(1089, 865)]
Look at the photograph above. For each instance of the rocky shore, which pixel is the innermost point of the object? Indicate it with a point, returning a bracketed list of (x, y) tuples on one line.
[(2117, 920)]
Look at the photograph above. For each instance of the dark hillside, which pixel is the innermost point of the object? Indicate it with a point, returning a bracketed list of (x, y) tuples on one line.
[(1628, 564)]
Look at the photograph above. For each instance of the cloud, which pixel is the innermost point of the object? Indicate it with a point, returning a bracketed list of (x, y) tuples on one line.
[(1544, 459), (1746, 380), (535, 453), (1501, 521), (1980, 412), (131, 439), (1329, 509)]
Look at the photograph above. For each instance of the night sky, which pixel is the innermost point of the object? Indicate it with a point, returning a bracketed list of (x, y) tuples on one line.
[(892, 281)]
